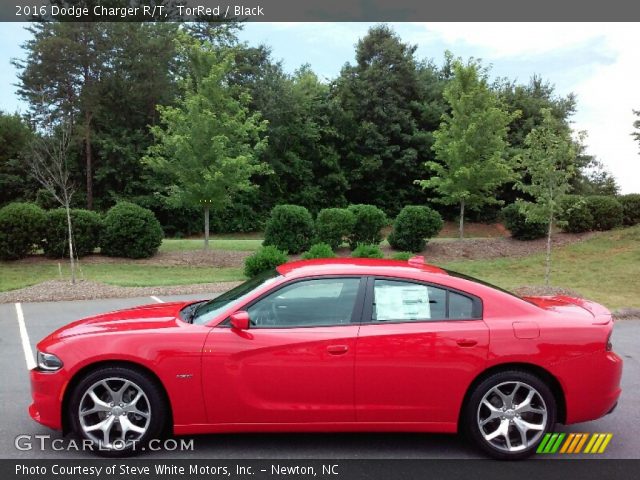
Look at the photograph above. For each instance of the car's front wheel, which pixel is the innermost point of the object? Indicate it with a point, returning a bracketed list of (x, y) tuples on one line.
[(117, 409), (508, 414)]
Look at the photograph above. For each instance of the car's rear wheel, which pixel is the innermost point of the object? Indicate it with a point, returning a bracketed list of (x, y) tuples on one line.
[(508, 414), (118, 409)]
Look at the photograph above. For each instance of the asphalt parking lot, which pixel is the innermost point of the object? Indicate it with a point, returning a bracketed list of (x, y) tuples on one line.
[(22, 331)]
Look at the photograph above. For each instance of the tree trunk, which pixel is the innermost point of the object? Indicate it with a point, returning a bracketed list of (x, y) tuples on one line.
[(461, 227), (71, 259), (206, 227), (547, 272), (89, 159)]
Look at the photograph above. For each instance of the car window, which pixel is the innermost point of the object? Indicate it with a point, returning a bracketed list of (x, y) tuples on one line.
[(460, 306), (399, 301), (307, 303)]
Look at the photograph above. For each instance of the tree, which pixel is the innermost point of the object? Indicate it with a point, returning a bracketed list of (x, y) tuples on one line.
[(383, 117), (209, 142), (65, 62), (110, 77), (548, 161), (636, 125), (470, 143), (16, 182), (49, 165)]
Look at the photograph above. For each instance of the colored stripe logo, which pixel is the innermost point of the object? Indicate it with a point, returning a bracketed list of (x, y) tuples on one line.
[(574, 443)]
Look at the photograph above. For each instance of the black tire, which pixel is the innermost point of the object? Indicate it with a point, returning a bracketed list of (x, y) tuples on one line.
[(543, 399), (153, 404)]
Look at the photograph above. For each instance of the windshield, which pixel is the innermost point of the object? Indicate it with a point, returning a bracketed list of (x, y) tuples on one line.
[(214, 307)]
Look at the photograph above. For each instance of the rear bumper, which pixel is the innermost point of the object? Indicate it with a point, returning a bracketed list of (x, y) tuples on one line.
[(47, 389), (591, 385)]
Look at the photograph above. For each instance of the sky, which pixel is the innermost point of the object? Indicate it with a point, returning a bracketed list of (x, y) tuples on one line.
[(598, 62)]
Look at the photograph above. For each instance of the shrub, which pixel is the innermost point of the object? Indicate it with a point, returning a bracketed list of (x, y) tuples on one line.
[(86, 232), (606, 211), (333, 225), (289, 228), (130, 231), (630, 208), (369, 220), (412, 226), (576, 214), (517, 224), (265, 258), (404, 256), (21, 229), (237, 218), (364, 250), (319, 250)]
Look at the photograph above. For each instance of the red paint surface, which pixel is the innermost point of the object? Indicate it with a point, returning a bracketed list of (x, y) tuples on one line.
[(409, 376)]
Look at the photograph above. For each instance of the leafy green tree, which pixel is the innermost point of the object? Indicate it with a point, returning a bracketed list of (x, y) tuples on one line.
[(107, 77), (470, 143), (636, 125), (209, 142), (548, 162), (385, 108), (15, 180)]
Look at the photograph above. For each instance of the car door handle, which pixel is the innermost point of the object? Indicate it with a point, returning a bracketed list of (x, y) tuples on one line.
[(337, 349), (466, 342)]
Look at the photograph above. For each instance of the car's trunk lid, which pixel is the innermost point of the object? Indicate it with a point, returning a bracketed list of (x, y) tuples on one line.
[(592, 311)]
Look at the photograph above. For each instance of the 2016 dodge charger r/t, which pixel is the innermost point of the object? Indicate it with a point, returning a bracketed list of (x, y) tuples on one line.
[(334, 345)]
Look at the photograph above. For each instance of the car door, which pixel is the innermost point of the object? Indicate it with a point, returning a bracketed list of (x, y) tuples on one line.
[(418, 349), (294, 364)]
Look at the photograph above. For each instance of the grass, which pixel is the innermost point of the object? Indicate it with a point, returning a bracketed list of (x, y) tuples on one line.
[(604, 269), (19, 276), (236, 244)]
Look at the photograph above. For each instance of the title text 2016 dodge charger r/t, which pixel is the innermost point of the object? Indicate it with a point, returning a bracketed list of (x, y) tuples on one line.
[(334, 345)]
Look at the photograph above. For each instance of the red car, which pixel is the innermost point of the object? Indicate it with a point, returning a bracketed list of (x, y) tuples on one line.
[(334, 345)]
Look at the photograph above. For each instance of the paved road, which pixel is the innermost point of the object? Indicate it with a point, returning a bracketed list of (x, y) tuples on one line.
[(42, 318)]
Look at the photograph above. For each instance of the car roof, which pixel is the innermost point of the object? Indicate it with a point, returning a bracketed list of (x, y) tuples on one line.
[(359, 266)]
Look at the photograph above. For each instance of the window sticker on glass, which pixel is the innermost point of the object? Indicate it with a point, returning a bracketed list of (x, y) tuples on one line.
[(401, 301)]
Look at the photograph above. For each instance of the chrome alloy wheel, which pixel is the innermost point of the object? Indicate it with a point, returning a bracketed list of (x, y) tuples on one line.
[(114, 413), (512, 416)]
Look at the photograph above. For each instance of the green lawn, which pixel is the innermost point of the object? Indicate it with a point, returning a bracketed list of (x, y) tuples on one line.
[(19, 276), (604, 269), (173, 245)]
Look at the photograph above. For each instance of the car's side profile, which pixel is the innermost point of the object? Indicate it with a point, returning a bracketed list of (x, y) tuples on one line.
[(334, 345)]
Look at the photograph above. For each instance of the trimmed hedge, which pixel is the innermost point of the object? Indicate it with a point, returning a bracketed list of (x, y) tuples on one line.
[(130, 231), (606, 211), (86, 227), (403, 256), (319, 250), (364, 250), (630, 208), (333, 225), (21, 229), (576, 214), (517, 224), (289, 228), (265, 258), (413, 225), (369, 222)]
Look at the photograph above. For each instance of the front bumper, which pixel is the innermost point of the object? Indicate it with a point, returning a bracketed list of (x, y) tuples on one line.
[(47, 391)]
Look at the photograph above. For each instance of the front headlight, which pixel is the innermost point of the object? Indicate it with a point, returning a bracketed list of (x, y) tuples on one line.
[(48, 362)]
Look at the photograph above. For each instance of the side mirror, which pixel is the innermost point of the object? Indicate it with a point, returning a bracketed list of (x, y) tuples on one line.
[(240, 320)]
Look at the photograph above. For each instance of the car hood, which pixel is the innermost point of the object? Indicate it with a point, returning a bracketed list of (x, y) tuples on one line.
[(145, 317), (574, 307)]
